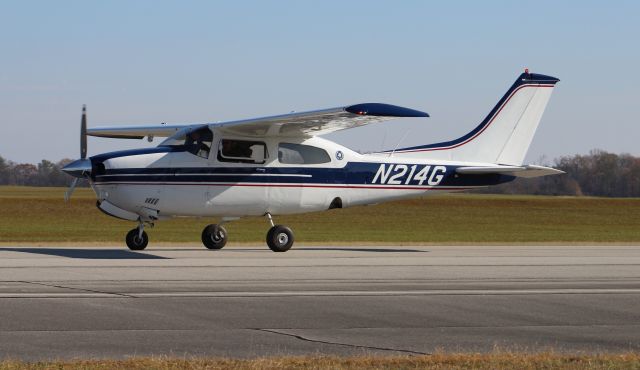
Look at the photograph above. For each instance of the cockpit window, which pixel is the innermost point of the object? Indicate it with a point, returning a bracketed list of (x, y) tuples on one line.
[(289, 153), (242, 151), (195, 141)]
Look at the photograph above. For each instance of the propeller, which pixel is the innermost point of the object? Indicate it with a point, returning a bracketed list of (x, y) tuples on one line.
[(69, 192), (81, 167), (83, 133)]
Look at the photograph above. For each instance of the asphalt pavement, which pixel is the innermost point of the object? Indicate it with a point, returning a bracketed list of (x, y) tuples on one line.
[(79, 302)]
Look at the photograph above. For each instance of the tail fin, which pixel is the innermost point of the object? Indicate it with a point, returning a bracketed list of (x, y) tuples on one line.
[(505, 134)]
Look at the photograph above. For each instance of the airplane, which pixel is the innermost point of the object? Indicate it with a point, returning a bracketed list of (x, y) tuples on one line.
[(279, 165)]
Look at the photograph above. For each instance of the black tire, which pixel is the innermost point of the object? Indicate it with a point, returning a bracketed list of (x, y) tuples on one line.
[(136, 243), (280, 238), (214, 236)]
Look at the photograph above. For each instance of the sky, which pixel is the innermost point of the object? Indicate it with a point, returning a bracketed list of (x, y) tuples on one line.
[(147, 62)]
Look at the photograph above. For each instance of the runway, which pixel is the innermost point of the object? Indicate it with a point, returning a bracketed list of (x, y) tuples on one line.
[(69, 302)]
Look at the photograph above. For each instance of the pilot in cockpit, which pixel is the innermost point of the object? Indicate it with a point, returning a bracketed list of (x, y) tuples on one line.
[(195, 144)]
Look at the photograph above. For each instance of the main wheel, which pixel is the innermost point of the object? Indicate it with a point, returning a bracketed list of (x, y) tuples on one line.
[(280, 238), (135, 242), (214, 236)]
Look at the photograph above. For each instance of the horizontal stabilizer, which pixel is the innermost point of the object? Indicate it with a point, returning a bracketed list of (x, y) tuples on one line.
[(527, 171)]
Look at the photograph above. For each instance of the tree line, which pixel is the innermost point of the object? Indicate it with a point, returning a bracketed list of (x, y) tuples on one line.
[(598, 173), (45, 173)]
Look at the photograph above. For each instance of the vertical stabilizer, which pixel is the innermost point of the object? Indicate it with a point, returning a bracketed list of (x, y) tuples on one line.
[(505, 134)]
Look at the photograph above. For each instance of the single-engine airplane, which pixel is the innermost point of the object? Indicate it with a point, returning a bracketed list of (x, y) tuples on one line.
[(279, 165)]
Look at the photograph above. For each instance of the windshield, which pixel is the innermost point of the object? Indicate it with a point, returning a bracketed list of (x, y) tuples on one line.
[(176, 139), (196, 141)]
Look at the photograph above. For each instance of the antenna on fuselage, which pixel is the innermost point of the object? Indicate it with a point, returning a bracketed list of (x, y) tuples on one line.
[(399, 142), (384, 139)]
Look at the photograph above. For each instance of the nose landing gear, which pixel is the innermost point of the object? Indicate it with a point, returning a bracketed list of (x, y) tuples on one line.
[(137, 238)]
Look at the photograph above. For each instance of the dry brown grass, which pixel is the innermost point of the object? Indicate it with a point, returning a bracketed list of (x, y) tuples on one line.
[(436, 361)]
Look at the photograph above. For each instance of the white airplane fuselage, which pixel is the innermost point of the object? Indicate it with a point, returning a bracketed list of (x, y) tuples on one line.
[(178, 183)]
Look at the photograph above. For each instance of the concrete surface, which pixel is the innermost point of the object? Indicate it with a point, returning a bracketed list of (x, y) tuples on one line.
[(112, 303)]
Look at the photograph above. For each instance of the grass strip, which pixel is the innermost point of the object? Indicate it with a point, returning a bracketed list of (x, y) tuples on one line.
[(437, 361), (40, 215)]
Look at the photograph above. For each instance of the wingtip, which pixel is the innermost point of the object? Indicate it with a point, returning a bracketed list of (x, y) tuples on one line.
[(386, 110)]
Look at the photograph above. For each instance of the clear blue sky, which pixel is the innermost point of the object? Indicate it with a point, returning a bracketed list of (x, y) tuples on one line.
[(136, 62)]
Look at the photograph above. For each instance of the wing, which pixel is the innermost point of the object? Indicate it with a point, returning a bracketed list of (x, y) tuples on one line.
[(312, 123), (319, 122), (138, 132)]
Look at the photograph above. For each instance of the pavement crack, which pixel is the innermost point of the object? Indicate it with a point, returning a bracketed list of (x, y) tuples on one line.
[(300, 337), (78, 289)]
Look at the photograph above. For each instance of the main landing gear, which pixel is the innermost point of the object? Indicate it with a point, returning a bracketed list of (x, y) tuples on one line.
[(279, 237), (214, 236)]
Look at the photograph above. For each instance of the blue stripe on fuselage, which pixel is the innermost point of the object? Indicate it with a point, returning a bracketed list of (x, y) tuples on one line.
[(354, 173)]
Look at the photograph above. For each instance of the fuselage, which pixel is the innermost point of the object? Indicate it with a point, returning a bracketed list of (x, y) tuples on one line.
[(235, 176)]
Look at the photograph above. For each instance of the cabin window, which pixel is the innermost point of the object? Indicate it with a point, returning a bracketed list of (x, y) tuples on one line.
[(289, 153), (195, 141), (242, 151)]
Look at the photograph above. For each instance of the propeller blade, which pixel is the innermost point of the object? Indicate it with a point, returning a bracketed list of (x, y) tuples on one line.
[(81, 167), (69, 192), (83, 133)]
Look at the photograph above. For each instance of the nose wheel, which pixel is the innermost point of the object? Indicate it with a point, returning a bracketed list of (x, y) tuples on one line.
[(136, 240), (214, 236)]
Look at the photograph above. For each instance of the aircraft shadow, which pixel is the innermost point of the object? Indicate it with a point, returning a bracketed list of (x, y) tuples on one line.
[(99, 254), (302, 249), (380, 250)]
